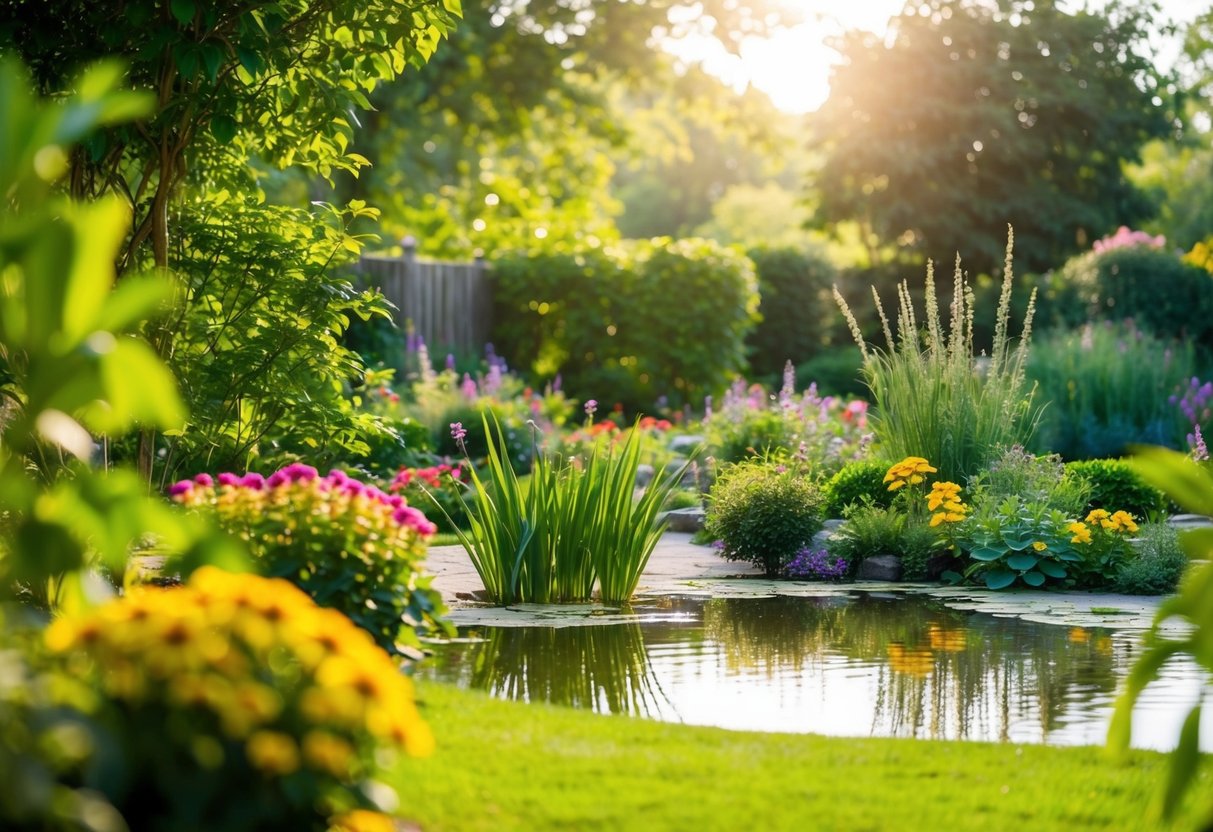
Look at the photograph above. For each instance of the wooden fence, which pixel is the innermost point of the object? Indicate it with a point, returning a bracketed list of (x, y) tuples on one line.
[(450, 305)]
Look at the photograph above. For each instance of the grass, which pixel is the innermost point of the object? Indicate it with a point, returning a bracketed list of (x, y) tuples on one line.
[(509, 766)]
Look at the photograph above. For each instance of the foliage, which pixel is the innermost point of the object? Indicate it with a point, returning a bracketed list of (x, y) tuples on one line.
[(1103, 540), (763, 511), (1178, 177), (573, 522), (71, 364), (1106, 387), (973, 115), (349, 546), (1157, 564), (767, 215), (871, 530), (630, 324), (820, 432), (1125, 282), (1038, 479), (1191, 486), (233, 703), (933, 395), (256, 337), (794, 285), (1116, 484), (857, 482), (837, 371), (817, 565), (1017, 540)]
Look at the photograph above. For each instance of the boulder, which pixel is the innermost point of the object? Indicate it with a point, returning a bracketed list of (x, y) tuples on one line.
[(686, 520), (880, 568), (686, 443), (644, 474)]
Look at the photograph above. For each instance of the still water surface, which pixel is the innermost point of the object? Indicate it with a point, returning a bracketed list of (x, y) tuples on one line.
[(860, 665)]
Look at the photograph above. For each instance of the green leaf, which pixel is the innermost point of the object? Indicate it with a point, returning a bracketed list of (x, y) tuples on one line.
[(183, 10), (223, 128), (1018, 539), (1184, 760), (1022, 562), (986, 554), (1052, 569), (1000, 578), (1197, 543), (1033, 578), (212, 60)]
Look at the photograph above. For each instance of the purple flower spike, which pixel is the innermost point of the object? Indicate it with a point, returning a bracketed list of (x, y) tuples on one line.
[(229, 479), (204, 480), (253, 481), (182, 487)]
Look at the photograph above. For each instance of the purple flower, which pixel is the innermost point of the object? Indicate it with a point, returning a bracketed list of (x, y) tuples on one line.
[(411, 517), (1200, 451), (276, 479), (298, 472), (817, 564), (204, 480), (591, 407), (459, 433), (450, 361), (468, 387), (229, 479), (179, 488)]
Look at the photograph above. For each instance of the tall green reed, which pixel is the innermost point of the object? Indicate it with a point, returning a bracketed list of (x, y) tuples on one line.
[(573, 523), (934, 396)]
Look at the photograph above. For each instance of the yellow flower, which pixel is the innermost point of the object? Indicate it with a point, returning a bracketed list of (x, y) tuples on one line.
[(1097, 515), (1123, 521), (1040, 546), (272, 752), (328, 752), (1081, 533), (361, 820)]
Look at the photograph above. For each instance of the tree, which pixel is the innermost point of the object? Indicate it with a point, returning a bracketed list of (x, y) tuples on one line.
[(976, 115)]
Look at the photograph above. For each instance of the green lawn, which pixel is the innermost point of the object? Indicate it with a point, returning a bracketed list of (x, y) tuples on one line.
[(509, 766)]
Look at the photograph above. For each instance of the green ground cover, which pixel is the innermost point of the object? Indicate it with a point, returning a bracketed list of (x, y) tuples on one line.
[(504, 766)]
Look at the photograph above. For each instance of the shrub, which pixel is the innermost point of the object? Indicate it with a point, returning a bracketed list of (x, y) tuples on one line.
[(871, 530), (820, 432), (1108, 386), (837, 371), (347, 545), (794, 285), (856, 483), (629, 324), (1158, 564), (932, 395), (1036, 479), (441, 485), (1016, 540), (234, 703), (764, 512), (1153, 286), (1115, 484)]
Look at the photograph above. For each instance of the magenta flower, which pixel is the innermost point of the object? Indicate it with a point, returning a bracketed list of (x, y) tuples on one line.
[(182, 487), (204, 480), (591, 407), (229, 479)]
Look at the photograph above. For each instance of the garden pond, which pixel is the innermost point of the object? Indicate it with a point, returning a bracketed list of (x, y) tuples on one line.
[(857, 663)]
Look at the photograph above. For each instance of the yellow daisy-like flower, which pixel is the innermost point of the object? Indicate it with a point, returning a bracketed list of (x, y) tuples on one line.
[(1123, 521), (909, 471), (272, 752), (1097, 515), (1040, 545), (361, 820), (1082, 534)]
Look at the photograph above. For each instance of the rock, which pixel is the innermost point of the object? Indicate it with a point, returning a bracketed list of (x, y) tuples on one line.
[(644, 474), (686, 443), (880, 568), (938, 564), (687, 520), (1189, 521), (821, 540)]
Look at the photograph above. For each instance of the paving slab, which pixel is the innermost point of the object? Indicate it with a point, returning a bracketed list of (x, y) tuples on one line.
[(679, 567)]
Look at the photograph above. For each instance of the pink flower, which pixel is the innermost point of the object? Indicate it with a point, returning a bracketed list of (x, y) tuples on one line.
[(179, 488)]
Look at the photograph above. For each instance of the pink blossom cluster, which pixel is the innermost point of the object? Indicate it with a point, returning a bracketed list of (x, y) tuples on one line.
[(1125, 237), (430, 477), (336, 495)]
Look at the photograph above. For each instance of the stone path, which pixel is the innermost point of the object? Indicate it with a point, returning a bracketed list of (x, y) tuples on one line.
[(679, 567)]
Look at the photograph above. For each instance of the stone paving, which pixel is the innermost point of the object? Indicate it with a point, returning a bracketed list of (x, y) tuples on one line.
[(679, 567)]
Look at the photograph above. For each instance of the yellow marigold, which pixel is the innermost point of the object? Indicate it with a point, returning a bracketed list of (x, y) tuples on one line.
[(1097, 515), (1123, 521), (328, 752), (272, 752), (1082, 534), (1040, 545)]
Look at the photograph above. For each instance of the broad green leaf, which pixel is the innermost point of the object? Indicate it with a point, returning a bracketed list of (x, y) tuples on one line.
[(1197, 543), (99, 230), (999, 578), (1184, 761), (1022, 562), (986, 554), (1053, 570), (1018, 539), (1033, 578), (183, 11)]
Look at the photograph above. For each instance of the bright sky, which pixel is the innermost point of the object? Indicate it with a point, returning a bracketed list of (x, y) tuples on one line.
[(794, 67)]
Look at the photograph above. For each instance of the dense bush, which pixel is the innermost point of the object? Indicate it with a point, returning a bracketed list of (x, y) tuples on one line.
[(857, 482), (764, 512), (872, 530), (837, 371), (233, 703), (1044, 480), (794, 285), (347, 545), (1116, 485), (1152, 286), (1158, 564), (1107, 386), (628, 324)]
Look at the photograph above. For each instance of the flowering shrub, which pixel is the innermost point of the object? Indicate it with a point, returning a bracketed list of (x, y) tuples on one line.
[(1103, 541), (651, 432), (1017, 541), (1126, 238), (817, 565), (1195, 402), (442, 484), (944, 500), (824, 432), (235, 703), (348, 545)]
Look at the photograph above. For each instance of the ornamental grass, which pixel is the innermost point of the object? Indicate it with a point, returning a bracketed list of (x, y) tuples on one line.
[(933, 394)]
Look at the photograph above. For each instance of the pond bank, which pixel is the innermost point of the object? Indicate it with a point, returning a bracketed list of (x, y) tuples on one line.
[(679, 567)]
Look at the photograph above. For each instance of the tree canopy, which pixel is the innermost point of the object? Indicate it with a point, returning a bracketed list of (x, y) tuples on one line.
[(970, 116)]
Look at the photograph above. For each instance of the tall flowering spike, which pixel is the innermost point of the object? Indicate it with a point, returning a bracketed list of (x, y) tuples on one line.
[(1200, 452)]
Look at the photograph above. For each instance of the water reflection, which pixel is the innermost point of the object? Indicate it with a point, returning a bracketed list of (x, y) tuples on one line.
[(869, 664)]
